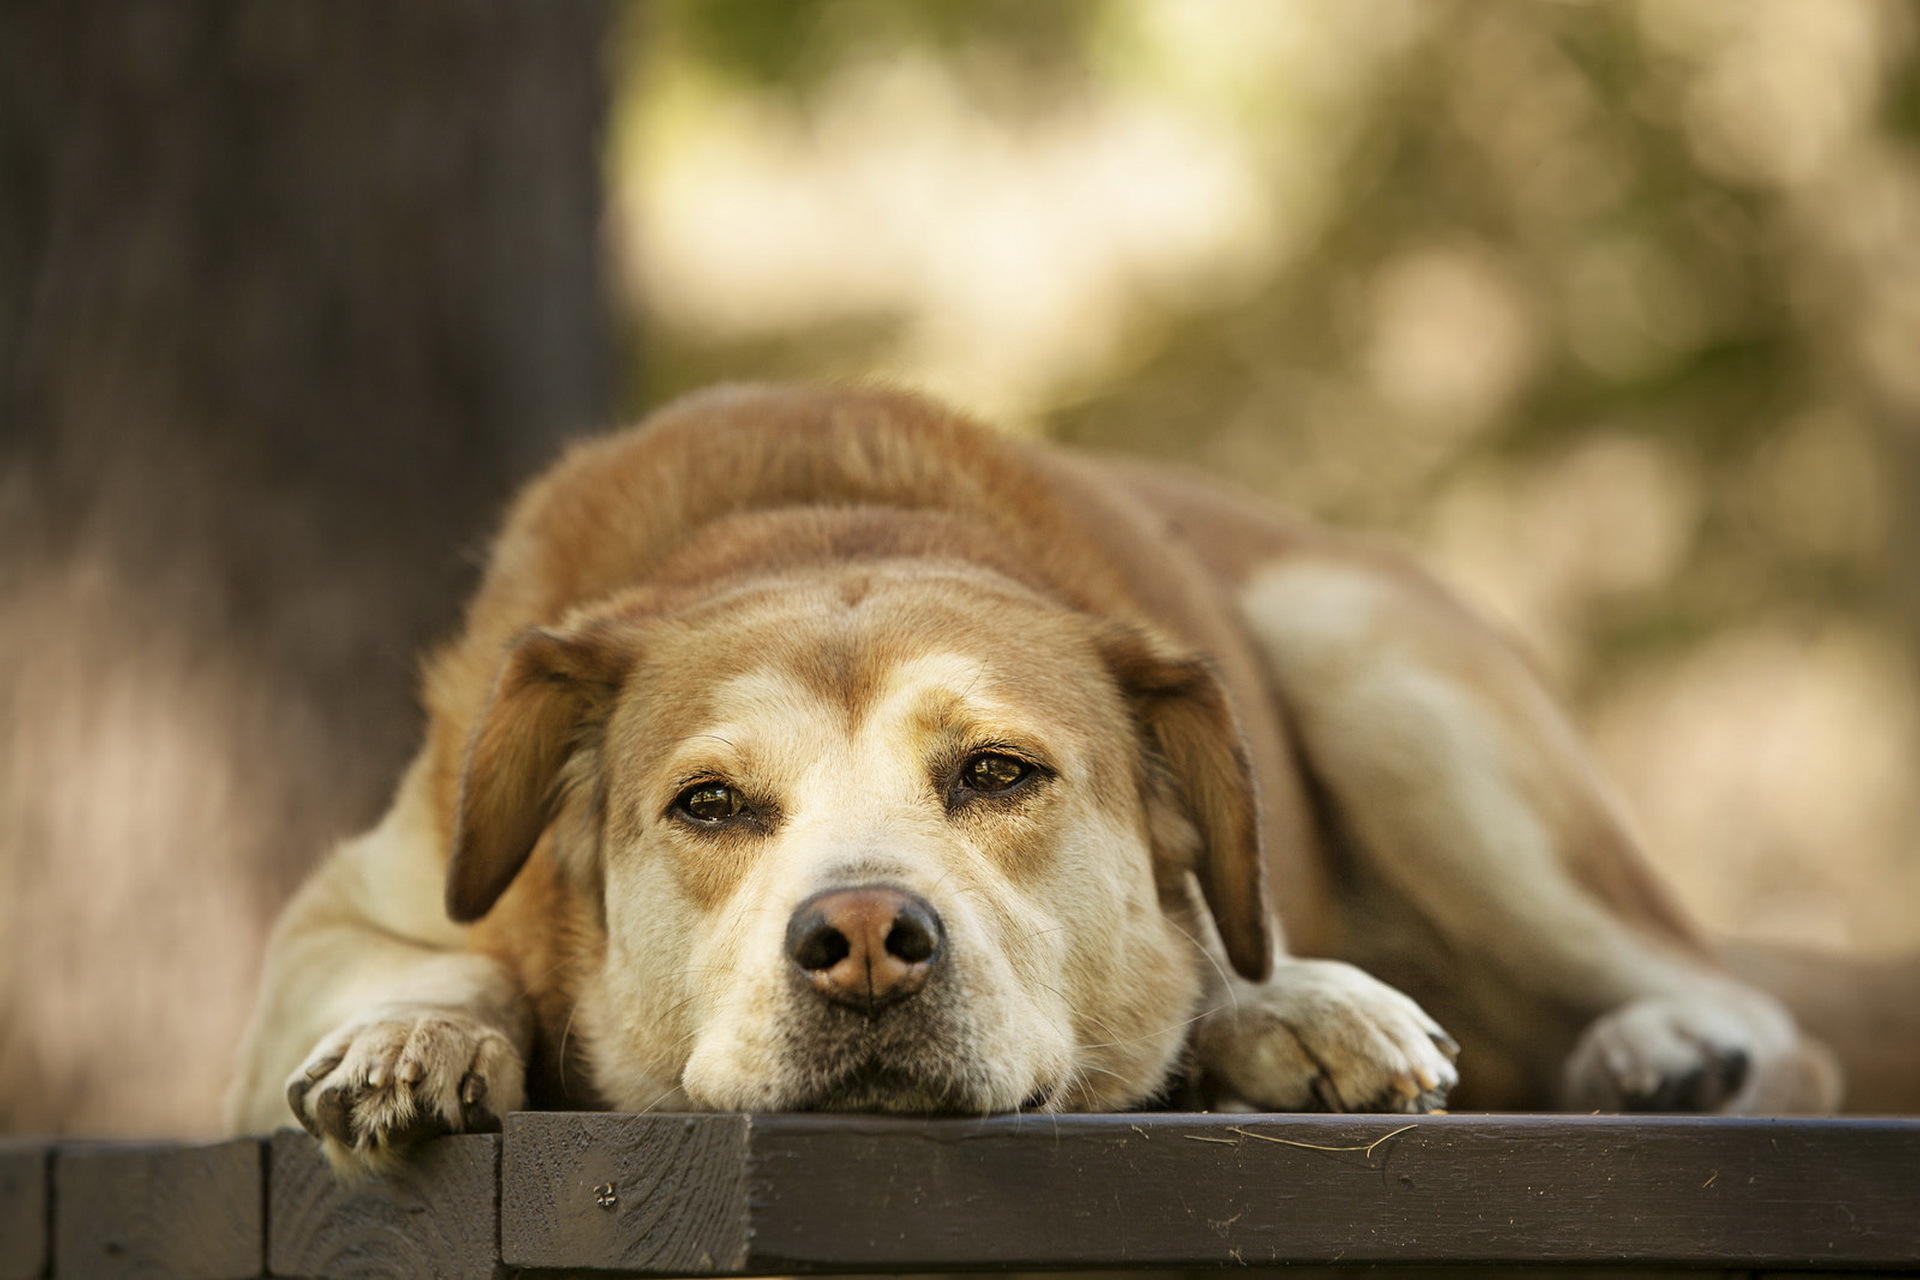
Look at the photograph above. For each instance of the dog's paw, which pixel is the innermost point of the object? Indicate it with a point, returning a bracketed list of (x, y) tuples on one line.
[(1324, 1036), (1665, 1053), (403, 1073)]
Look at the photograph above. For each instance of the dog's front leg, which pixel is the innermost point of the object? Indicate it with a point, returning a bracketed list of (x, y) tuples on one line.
[(437, 1050), (375, 1024), (1324, 1036)]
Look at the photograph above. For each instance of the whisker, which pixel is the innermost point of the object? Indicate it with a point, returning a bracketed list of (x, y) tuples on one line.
[(657, 1101), (566, 1029), (978, 674), (1104, 1026), (1148, 1035), (1105, 1071), (1225, 980), (706, 968), (695, 737)]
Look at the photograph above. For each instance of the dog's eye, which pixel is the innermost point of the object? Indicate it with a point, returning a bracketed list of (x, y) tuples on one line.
[(710, 802), (989, 772)]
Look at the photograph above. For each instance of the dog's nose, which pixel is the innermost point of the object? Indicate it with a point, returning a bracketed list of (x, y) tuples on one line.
[(868, 946)]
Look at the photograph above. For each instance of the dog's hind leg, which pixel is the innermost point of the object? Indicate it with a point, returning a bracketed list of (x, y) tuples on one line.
[(1464, 796), (375, 1024)]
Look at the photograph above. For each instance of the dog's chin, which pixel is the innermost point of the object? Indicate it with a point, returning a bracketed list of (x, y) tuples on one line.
[(926, 1087), (924, 1057), (888, 1089)]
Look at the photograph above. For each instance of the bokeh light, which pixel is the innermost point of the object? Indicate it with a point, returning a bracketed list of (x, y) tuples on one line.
[(1606, 309)]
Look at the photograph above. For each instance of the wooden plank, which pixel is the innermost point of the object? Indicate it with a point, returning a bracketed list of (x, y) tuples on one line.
[(24, 1208), (151, 1210), (732, 1194), (439, 1216), (1097, 1191), (660, 1194)]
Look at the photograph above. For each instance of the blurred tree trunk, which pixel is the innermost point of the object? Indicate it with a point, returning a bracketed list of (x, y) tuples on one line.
[(290, 297)]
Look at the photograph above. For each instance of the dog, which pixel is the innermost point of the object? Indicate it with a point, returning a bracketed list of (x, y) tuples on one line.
[(820, 749)]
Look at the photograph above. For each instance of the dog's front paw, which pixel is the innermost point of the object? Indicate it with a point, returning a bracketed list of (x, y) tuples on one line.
[(1325, 1036), (1665, 1053), (403, 1073)]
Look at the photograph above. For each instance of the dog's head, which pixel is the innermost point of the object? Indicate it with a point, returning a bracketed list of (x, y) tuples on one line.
[(888, 835)]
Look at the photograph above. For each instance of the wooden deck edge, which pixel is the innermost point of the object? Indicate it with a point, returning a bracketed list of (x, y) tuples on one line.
[(592, 1194), (26, 1209)]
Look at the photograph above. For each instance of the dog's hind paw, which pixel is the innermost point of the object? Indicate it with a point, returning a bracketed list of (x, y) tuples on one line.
[(1665, 1053), (383, 1082), (1325, 1036)]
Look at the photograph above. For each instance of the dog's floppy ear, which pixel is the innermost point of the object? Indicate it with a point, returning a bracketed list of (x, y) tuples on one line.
[(552, 696), (1181, 703)]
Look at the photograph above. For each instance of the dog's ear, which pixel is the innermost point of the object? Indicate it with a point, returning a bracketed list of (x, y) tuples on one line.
[(1183, 707), (551, 700)]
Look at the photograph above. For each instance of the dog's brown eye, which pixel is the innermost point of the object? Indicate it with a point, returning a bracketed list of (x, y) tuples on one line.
[(710, 802), (990, 773)]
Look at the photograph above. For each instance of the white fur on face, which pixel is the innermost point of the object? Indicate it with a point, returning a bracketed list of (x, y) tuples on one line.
[(1062, 978)]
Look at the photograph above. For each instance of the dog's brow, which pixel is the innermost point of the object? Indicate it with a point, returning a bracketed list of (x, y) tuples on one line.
[(684, 750), (695, 737), (936, 692)]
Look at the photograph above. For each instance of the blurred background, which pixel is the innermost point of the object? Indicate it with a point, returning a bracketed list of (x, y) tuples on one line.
[(1610, 310)]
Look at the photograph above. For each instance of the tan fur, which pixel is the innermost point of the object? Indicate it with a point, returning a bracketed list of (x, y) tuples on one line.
[(828, 601)]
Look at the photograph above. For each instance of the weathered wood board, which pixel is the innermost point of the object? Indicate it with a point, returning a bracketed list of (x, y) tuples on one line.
[(639, 1193), (1193, 1191), (827, 1193), (25, 1210), (582, 1194), (439, 1217), (157, 1210)]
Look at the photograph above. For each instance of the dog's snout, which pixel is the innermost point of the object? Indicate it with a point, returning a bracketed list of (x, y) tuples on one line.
[(868, 946)]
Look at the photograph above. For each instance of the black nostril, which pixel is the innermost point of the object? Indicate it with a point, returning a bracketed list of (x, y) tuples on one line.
[(912, 937), (814, 944)]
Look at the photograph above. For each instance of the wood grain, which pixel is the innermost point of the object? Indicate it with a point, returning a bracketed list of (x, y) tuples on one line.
[(582, 1194), (1178, 1191), (660, 1194), (148, 1210), (24, 1208), (438, 1217)]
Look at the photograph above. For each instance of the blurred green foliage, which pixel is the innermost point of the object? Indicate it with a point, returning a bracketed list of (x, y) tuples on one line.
[(793, 47), (1549, 155)]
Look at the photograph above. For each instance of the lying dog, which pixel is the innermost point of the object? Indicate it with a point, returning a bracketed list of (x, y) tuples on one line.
[(818, 749)]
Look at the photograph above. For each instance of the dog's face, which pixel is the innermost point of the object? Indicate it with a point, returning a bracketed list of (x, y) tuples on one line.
[(881, 837)]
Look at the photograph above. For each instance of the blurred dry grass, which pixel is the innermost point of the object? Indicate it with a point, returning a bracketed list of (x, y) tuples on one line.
[(1610, 308)]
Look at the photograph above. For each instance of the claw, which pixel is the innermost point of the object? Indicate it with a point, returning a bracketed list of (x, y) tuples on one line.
[(403, 1076), (332, 1114), (296, 1099)]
